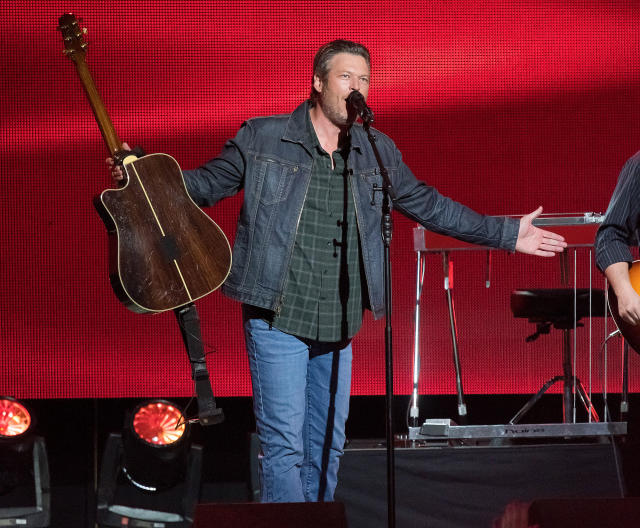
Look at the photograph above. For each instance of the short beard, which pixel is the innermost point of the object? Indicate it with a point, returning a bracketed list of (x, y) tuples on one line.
[(334, 116)]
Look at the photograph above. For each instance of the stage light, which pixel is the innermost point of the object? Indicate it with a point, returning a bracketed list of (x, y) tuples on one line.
[(15, 420), (158, 423), (155, 446), (24, 469), (150, 473)]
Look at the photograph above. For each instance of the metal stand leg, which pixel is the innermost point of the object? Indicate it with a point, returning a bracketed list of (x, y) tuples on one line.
[(624, 402), (448, 286), (414, 412), (567, 377)]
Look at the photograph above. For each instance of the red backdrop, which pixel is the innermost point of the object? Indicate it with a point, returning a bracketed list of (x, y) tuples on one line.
[(501, 105)]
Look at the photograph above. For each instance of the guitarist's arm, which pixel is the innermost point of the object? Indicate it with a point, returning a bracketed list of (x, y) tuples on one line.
[(216, 179), (628, 300), (219, 178), (615, 236), (223, 176)]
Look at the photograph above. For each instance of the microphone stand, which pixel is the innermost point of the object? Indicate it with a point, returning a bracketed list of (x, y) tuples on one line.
[(386, 226)]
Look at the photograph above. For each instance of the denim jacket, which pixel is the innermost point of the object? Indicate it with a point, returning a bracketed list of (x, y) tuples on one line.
[(270, 161)]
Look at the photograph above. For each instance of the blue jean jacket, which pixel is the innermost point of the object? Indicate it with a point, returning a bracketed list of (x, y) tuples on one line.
[(270, 160)]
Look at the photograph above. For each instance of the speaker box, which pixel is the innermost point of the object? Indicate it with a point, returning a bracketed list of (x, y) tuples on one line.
[(121, 503), (25, 496), (460, 487), (271, 515), (585, 513)]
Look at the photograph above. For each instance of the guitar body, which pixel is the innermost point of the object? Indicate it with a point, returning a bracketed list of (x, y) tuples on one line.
[(164, 251), (630, 332)]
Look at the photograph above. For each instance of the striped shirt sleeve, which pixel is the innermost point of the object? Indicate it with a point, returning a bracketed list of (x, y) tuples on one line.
[(622, 220)]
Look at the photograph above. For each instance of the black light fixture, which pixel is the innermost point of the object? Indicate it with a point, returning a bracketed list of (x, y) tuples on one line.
[(24, 469), (151, 472)]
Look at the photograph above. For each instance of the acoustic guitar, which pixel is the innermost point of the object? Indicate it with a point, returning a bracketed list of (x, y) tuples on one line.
[(630, 332), (164, 251)]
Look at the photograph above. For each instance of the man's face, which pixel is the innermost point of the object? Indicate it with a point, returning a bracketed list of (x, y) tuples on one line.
[(347, 72)]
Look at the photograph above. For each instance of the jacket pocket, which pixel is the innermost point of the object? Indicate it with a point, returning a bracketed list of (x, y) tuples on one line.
[(275, 178), (372, 181)]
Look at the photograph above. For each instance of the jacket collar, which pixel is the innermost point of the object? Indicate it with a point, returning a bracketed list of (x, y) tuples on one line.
[(297, 132)]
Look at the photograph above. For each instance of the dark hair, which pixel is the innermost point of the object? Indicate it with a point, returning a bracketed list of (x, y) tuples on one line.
[(327, 52)]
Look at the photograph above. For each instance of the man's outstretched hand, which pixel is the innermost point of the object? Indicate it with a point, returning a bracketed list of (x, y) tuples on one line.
[(535, 241)]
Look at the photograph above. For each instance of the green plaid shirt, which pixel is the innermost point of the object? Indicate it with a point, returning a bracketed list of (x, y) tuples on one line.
[(323, 293)]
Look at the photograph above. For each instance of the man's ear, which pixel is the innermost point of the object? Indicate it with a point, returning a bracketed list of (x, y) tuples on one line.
[(317, 83)]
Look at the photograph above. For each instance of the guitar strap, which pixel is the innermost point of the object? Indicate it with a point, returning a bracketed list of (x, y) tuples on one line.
[(208, 413)]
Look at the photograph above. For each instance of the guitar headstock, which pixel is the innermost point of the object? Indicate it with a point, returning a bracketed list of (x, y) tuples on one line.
[(72, 36)]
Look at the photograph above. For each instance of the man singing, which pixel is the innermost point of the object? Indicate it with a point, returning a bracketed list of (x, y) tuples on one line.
[(308, 259)]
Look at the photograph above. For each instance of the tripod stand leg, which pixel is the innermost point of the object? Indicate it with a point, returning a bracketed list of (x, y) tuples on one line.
[(532, 401), (584, 398)]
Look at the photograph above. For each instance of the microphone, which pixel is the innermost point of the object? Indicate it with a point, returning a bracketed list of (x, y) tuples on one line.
[(356, 102)]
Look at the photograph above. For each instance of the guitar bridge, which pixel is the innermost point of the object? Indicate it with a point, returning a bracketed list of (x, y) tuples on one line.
[(170, 247)]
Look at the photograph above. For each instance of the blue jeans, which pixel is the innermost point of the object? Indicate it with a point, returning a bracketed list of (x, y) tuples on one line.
[(301, 392)]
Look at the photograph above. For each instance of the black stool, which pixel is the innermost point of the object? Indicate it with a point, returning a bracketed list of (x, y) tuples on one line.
[(555, 307)]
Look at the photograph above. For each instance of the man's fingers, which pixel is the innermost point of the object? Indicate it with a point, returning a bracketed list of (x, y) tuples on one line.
[(630, 317), (552, 236), (561, 244), (535, 214), (551, 247), (116, 171)]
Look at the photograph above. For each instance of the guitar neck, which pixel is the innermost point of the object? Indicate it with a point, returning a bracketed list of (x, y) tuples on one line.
[(99, 111)]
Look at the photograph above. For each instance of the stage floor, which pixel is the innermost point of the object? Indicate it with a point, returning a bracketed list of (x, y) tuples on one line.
[(75, 432)]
